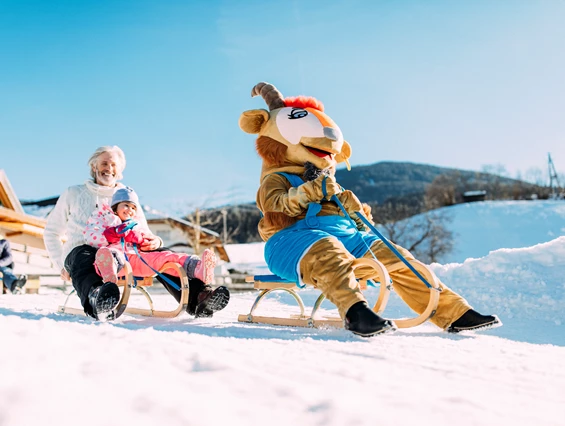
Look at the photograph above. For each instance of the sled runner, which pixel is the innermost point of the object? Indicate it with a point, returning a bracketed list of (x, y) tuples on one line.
[(127, 282), (268, 284)]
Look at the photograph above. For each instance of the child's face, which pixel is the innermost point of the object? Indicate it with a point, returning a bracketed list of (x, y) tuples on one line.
[(126, 210)]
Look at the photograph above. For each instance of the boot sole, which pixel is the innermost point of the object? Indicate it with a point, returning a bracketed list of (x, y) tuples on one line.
[(487, 326), (107, 300), (389, 327), (217, 301)]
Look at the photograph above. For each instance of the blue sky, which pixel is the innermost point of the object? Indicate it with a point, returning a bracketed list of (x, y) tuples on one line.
[(449, 83)]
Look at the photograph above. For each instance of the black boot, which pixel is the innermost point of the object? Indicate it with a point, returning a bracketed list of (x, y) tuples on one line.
[(103, 300), (361, 320), (18, 284), (472, 320), (207, 300)]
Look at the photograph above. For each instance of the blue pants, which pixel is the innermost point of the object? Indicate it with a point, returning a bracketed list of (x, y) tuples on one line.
[(284, 250), (8, 277)]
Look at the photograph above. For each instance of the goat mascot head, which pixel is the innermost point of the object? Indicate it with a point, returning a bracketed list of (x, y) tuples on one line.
[(293, 132)]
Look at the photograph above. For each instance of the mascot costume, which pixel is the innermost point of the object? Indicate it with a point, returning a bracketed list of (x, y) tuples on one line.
[(309, 239)]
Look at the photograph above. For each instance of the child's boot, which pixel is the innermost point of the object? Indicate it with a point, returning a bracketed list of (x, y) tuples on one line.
[(202, 269), (106, 265)]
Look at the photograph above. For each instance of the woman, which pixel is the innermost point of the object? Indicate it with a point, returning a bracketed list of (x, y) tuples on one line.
[(76, 258)]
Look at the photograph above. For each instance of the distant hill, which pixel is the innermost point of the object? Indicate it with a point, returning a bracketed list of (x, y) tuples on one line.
[(387, 181)]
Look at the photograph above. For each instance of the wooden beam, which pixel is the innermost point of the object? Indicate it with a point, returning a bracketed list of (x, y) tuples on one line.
[(8, 215), (22, 228), (13, 234), (8, 197)]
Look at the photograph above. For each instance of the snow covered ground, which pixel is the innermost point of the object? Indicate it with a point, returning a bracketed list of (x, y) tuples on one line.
[(65, 370)]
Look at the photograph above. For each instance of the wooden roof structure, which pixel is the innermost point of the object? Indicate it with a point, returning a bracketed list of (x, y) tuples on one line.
[(16, 225)]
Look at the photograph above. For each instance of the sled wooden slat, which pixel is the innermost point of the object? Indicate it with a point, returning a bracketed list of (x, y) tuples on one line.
[(293, 321), (270, 285), (362, 267), (140, 281)]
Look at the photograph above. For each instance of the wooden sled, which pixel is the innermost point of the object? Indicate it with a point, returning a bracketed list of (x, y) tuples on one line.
[(128, 282), (271, 283)]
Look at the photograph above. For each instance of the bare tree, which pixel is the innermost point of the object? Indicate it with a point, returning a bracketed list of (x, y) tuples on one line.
[(427, 236), (441, 192), (424, 235), (536, 176)]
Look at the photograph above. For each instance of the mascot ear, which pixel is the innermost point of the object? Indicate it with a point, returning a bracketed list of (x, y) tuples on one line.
[(344, 154), (253, 120)]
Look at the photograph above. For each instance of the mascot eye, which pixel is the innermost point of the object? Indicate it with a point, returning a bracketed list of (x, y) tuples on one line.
[(297, 113)]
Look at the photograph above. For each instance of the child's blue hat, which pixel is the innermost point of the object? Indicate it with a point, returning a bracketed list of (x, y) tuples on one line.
[(125, 194)]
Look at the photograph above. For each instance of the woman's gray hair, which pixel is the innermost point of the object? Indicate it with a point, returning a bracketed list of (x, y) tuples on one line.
[(112, 149)]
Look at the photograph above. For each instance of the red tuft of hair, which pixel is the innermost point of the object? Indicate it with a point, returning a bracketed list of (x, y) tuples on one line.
[(304, 102)]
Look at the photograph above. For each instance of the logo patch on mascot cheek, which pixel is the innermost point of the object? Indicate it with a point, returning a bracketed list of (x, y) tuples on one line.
[(295, 123)]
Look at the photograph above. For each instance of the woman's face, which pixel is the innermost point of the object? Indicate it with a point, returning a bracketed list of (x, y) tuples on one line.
[(106, 170)]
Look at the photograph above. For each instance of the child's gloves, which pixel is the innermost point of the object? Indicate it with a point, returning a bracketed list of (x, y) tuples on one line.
[(112, 234)]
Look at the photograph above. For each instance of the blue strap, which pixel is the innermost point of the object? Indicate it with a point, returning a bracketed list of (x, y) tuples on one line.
[(129, 225), (167, 280), (294, 180), (311, 218), (313, 208)]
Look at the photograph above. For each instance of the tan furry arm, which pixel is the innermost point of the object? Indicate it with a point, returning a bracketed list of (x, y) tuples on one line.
[(276, 195)]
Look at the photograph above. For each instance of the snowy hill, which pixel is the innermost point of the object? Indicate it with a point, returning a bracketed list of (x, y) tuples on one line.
[(481, 227), (59, 369)]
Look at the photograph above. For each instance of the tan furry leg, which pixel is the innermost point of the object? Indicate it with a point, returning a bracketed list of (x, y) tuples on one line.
[(414, 292), (327, 266)]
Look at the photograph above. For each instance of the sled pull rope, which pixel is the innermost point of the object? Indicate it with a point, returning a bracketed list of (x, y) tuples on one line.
[(168, 281), (378, 234), (129, 225)]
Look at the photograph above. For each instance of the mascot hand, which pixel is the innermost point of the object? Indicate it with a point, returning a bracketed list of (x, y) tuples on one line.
[(314, 192), (366, 212), (331, 186), (352, 205), (350, 202)]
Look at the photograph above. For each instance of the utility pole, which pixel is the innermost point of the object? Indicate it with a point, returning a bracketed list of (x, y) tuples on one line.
[(554, 185), (225, 219), (197, 232)]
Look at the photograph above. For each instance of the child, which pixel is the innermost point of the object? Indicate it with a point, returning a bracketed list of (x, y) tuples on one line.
[(115, 233)]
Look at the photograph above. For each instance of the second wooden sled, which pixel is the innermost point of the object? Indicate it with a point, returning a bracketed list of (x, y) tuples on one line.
[(268, 284), (128, 282)]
